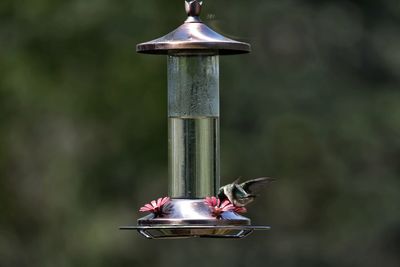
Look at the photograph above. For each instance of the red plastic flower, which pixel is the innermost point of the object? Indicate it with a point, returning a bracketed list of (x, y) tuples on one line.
[(158, 207), (217, 208)]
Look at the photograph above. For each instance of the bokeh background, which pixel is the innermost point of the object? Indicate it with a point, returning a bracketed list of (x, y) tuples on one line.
[(83, 131)]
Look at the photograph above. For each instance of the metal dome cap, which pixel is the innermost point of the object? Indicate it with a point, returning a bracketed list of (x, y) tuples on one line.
[(193, 37)]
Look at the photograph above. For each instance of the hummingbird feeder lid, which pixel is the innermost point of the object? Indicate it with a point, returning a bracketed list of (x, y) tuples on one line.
[(193, 37)]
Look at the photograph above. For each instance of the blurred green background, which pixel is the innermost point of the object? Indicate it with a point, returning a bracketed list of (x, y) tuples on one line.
[(83, 131)]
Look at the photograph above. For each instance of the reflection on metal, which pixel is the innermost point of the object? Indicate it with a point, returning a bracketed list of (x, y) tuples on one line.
[(192, 218), (188, 231), (193, 212), (193, 37)]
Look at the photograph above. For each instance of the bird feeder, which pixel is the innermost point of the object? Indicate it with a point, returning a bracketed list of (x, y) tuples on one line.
[(193, 51)]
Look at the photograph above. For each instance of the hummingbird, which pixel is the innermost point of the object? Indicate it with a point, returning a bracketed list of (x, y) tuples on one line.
[(242, 194)]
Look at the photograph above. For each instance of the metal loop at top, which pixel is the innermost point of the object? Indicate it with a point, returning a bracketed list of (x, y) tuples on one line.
[(193, 7)]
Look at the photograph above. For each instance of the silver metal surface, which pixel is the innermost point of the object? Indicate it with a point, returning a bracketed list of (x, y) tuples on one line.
[(193, 37), (193, 212), (193, 218), (188, 231)]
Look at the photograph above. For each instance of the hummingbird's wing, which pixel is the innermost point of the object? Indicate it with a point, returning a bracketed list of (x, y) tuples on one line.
[(254, 185), (237, 180), (239, 192)]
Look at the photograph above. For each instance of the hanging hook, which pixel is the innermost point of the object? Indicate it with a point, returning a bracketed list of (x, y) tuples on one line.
[(193, 7)]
